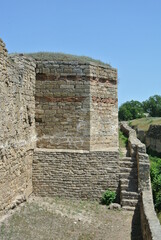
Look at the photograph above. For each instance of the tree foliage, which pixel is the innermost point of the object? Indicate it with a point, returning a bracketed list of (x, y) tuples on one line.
[(131, 110), (155, 172), (153, 106), (135, 109)]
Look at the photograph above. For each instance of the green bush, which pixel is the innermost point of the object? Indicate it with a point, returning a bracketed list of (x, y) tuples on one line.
[(108, 197), (155, 172)]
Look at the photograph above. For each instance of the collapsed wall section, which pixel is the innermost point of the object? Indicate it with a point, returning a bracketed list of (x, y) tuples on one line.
[(17, 131)]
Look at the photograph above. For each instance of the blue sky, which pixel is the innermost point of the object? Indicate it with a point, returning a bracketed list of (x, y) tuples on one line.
[(124, 33)]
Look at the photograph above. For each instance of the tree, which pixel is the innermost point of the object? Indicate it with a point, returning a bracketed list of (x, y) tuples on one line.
[(131, 110), (153, 106)]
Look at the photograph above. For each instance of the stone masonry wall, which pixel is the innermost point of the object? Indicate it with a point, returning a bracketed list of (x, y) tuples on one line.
[(151, 229), (17, 126), (62, 105), (104, 108), (153, 138), (76, 106), (75, 174)]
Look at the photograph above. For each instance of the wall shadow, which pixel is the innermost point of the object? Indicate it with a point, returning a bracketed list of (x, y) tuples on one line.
[(136, 233)]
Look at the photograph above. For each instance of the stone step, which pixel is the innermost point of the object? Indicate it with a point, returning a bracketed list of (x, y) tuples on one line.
[(128, 170), (129, 195), (128, 175), (127, 182), (131, 188), (128, 164), (129, 202), (128, 159), (123, 151), (128, 208)]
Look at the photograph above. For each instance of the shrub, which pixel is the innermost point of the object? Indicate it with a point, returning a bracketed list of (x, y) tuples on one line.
[(155, 172), (108, 197)]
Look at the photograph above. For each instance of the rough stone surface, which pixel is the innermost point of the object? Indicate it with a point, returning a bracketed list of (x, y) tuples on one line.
[(76, 106), (84, 175), (150, 226), (77, 134), (76, 109), (17, 131), (153, 138)]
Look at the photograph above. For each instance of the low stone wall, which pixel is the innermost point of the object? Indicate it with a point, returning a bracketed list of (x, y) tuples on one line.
[(17, 127), (151, 229), (77, 174)]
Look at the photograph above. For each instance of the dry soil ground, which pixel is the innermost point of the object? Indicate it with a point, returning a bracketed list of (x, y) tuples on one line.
[(55, 219)]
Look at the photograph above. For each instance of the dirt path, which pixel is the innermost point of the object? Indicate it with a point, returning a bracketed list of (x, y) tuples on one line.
[(58, 219)]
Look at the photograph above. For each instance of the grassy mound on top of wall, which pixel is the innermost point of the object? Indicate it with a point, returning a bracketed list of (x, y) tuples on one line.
[(144, 123), (53, 56)]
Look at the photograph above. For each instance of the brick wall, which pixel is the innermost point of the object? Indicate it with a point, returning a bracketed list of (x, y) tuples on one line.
[(104, 108), (62, 105), (76, 106), (76, 113), (77, 174), (17, 131)]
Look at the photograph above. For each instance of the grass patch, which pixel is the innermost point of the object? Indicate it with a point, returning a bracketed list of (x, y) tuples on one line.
[(144, 123), (123, 140), (52, 56), (159, 217)]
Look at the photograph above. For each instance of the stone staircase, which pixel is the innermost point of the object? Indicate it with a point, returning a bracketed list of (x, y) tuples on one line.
[(128, 183)]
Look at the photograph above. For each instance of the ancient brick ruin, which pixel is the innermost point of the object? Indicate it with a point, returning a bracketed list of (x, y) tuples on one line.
[(71, 149), (59, 136)]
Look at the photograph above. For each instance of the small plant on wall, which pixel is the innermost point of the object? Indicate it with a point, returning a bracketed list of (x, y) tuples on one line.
[(108, 197)]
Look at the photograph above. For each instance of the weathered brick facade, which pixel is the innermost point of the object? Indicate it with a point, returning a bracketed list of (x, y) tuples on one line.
[(76, 132), (17, 126), (74, 174), (76, 106)]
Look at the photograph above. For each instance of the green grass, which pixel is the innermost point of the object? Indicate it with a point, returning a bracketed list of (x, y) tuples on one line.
[(52, 56), (159, 217), (123, 140), (144, 123)]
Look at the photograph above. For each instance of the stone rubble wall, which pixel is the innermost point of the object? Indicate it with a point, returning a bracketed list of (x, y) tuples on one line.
[(151, 229), (74, 174), (17, 131)]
